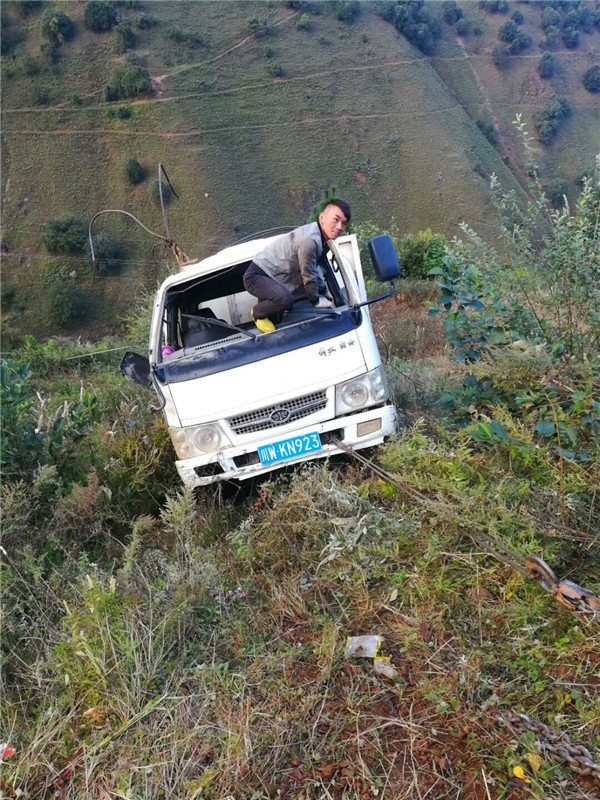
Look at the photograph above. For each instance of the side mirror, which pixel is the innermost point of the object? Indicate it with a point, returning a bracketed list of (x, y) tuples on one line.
[(136, 368), (384, 258)]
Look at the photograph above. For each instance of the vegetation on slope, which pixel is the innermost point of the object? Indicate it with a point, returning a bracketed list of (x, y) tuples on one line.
[(156, 643), (253, 114)]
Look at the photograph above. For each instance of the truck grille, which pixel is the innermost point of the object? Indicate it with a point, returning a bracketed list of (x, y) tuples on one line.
[(279, 414)]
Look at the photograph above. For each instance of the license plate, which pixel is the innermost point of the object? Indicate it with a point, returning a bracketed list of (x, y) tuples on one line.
[(289, 448)]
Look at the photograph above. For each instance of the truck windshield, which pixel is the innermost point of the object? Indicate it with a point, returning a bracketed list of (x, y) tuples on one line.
[(207, 320)]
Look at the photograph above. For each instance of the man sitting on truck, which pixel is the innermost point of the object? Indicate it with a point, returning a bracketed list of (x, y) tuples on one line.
[(290, 267)]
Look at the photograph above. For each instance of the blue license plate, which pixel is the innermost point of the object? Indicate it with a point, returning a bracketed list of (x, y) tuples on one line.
[(289, 448)]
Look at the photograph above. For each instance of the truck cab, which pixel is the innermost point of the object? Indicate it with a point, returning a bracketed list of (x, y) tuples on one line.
[(239, 403)]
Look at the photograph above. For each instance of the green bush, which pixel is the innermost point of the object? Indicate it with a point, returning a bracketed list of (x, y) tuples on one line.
[(347, 10), (34, 435), (124, 37), (488, 130), (100, 16), (452, 14), (135, 172), (421, 252), (544, 291), (556, 191), (119, 112), (570, 37), (591, 79), (549, 120), (109, 254), (166, 193), (508, 31), (145, 21), (128, 80), (501, 56), (50, 52), (463, 27), (65, 304), (547, 66), (65, 234), (495, 6), (414, 22), (57, 27), (303, 23), (275, 69)]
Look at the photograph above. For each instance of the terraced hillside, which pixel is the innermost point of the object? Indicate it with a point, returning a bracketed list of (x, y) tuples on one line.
[(255, 108)]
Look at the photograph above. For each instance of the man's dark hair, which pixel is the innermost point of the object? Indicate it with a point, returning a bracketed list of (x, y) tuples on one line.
[(343, 207)]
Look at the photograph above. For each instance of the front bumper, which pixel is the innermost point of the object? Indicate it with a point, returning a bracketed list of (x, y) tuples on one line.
[(243, 463)]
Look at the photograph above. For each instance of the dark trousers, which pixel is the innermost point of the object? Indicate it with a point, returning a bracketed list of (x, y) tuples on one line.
[(273, 297)]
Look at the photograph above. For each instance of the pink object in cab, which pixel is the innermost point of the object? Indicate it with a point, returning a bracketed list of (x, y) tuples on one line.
[(166, 350)]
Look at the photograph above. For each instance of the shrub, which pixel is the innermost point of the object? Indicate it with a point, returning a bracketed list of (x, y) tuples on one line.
[(545, 289), (275, 69), (551, 18), (108, 254), (65, 303), (269, 51), (521, 42), (421, 252), (120, 112), (347, 11), (452, 14), (128, 80), (501, 56), (124, 37), (591, 79), (50, 52), (547, 66), (413, 21), (549, 120), (166, 193), (494, 6), (65, 234), (556, 191), (32, 435), (99, 16), (570, 37), (463, 27), (303, 23), (10, 33), (488, 130), (508, 31), (135, 172), (144, 21), (57, 27), (517, 16)]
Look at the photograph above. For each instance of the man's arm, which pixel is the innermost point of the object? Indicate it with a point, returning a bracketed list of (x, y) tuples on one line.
[(308, 256)]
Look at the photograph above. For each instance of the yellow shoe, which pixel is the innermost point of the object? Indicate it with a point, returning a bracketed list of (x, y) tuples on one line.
[(264, 325)]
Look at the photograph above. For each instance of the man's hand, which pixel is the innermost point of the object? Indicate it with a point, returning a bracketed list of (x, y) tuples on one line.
[(323, 302)]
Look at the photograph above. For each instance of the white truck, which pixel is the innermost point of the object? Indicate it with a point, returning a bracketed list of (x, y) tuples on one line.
[(240, 403)]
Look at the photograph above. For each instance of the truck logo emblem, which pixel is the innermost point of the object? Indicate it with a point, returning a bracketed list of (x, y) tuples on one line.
[(279, 415)]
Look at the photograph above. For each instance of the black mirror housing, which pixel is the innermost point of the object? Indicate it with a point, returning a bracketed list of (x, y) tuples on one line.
[(384, 258), (136, 368)]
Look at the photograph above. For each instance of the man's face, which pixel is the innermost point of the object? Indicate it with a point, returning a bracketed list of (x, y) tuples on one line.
[(332, 221)]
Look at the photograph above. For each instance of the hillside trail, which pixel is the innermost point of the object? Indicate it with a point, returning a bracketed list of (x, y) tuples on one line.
[(505, 148)]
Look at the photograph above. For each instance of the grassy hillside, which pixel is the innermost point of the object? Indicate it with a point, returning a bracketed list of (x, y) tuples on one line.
[(355, 106)]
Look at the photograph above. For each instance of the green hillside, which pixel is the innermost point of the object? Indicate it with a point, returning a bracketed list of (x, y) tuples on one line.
[(253, 113)]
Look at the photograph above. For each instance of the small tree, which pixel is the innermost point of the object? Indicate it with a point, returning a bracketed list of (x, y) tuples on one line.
[(135, 172), (128, 80), (570, 37), (501, 56), (463, 27), (591, 79), (167, 194), (65, 234), (303, 23), (547, 66), (99, 16), (57, 27), (508, 31), (556, 192), (347, 11), (108, 254), (124, 37)]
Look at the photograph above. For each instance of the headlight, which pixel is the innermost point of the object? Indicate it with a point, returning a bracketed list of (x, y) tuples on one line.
[(368, 390), (195, 441), (207, 439)]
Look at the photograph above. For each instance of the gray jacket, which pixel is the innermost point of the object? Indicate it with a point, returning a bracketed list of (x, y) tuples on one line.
[(293, 260)]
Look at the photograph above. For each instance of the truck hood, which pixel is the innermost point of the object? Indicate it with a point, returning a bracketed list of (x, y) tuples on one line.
[(281, 377)]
